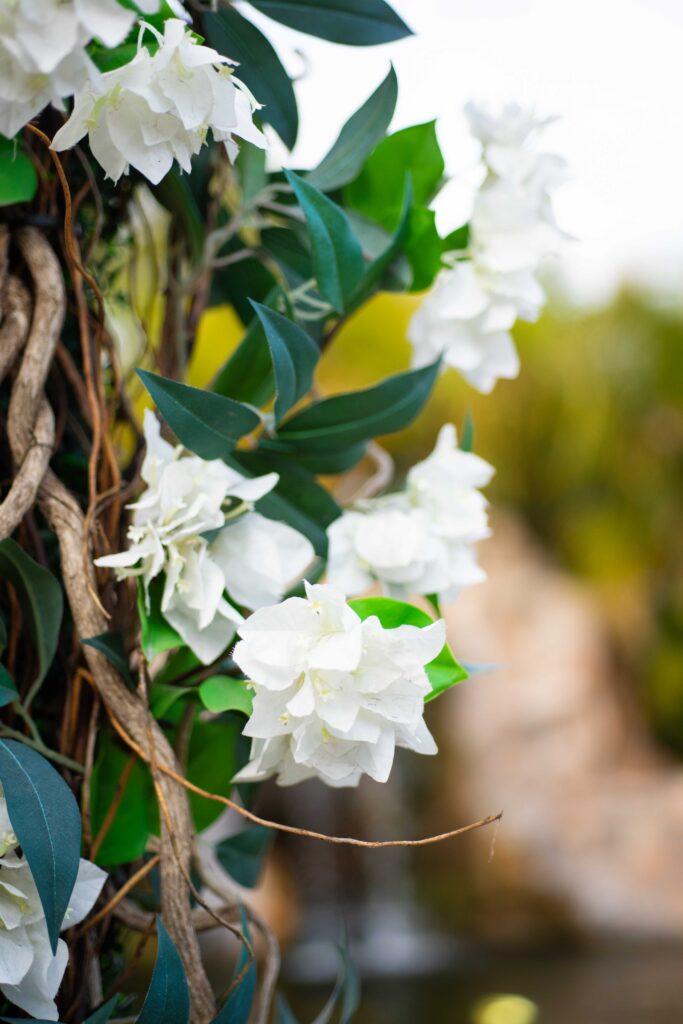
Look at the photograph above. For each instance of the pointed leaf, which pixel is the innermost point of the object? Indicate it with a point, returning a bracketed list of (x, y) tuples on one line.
[(243, 854), (41, 600), (294, 356), (346, 419), (357, 139), (168, 998), (354, 22), (260, 68), (247, 376), (381, 264), (337, 254), (111, 646), (156, 634), (237, 1007), (206, 423), (8, 689), (104, 1013), (47, 823), (444, 671)]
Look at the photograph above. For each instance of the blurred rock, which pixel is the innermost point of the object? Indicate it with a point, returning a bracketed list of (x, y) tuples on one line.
[(592, 834)]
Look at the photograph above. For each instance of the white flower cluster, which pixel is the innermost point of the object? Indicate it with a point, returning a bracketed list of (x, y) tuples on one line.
[(334, 695), (419, 540), (469, 313), (42, 51), (187, 498), (159, 108), (30, 974)]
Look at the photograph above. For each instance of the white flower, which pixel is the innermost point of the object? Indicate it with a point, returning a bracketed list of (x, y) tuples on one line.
[(30, 974), (42, 51), (420, 540), (334, 696), (466, 322), (468, 315), (159, 108), (188, 498)]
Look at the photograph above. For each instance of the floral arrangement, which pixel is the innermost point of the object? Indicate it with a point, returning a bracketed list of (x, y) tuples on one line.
[(179, 583)]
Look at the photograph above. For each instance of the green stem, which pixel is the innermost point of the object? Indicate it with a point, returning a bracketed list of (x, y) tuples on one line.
[(51, 755)]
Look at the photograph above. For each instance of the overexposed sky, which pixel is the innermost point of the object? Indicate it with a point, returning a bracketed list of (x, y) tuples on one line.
[(613, 70)]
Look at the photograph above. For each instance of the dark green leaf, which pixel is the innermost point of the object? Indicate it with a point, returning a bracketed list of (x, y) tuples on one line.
[(247, 376), (357, 139), (162, 697), (237, 1007), (444, 671), (382, 262), (243, 854), (223, 693), (47, 823), (337, 255), (212, 764), (467, 435), (41, 600), (174, 193), (457, 240), (104, 1013), (168, 998), (294, 356), (18, 179), (354, 22), (335, 460), (136, 817), (111, 646), (346, 991), (346, 419), (8, 689), (206, 423), (283, 1014), (287, 248), (3, 633), (156, 634), (260, 68), (251, 164), (236, 284)]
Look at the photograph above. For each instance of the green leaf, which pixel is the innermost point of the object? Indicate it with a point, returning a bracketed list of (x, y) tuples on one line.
[(379, 189), (175, 194), (346, 991), (283, 1013), (41, 600), (136, 817), (223, 693), (206, 423), (294, 354), (357, 139), (444, 671), (423, 247), (336, 460), (168, 998), (298, 499), (156, 634), (354, 22), (8, 689), (163, 696), (111, 646), (104, 1013), (337, 254), (251, 164), (212, 764), (346, 419), (46, 820), (237, 1007), (18, 178), (383, 261), (260, 68), (243, 854), (457, 240), (467, 435), (247, 376)]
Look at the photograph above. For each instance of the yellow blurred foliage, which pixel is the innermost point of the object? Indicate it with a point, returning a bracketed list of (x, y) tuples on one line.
[(505, 1009)]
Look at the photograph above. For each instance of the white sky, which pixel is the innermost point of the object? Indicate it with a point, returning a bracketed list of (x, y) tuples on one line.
[(612, 68)]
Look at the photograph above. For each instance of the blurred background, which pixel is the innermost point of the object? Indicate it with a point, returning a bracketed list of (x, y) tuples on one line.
[(572, 909)]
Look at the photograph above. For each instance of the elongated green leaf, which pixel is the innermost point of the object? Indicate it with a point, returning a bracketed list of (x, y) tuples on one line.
[(346, 991), (354, 22), (444, 671), (358, 138), (156, 634), (136, 817), (337, 254), (356, 416), (247, 376), (41, 600), (47, 823), (163, 697), (260, 68), (206, 423), (104, 1013), (18, 179), (212, 744), (334, 460), (243, 854), (223, 693), (383, 261), (8, 689), (168, 998), (294, 356), (237, 1007), (111, 646)]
